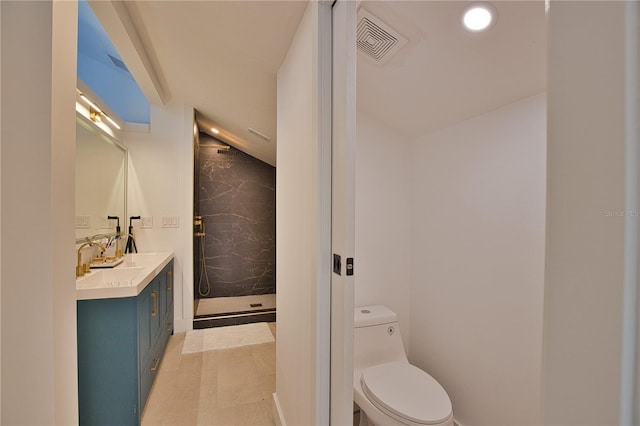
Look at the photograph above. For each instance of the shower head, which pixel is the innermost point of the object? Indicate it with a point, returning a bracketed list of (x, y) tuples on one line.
[(217, 146)]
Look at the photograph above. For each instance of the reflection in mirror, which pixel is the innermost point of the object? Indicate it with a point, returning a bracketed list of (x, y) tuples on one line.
[(101, 169)]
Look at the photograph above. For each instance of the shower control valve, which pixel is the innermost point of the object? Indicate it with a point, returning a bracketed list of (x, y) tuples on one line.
[(199, 226)]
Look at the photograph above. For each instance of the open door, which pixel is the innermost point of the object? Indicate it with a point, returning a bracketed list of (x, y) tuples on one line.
[(315, 218), (343, 210)]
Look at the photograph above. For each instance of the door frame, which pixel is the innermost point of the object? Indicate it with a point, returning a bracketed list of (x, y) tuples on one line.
[(342, 161)]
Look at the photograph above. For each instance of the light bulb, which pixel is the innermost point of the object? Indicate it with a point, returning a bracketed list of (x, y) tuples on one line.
[(478, 17)]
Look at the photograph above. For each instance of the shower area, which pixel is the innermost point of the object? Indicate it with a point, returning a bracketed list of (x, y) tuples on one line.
[(234, 243)]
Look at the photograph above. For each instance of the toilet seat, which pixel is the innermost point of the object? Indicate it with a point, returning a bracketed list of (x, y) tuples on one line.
[(406, 393)]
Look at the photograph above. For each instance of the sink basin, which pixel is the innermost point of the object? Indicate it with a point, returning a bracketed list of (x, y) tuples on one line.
[(128, 279), (116, 277), (142, 259)]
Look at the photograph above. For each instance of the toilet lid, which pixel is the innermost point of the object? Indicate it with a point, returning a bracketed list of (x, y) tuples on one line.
[(406, 392)]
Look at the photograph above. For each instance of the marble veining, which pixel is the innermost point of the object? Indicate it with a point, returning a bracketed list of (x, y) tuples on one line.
[(237, 204)]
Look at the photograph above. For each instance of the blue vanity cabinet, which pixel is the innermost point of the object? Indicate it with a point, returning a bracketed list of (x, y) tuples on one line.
[(120, 345), (166, 296)]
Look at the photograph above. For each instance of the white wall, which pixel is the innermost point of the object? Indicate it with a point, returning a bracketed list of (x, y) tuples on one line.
[(298, 230), (160, 183), (585, 244), (478, 205), (383, 228), (39, 356)]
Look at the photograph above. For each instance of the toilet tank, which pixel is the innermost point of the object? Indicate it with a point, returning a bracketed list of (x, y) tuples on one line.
[(376, 337)]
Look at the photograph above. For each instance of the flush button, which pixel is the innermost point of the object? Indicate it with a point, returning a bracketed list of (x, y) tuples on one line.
[(365, 311)]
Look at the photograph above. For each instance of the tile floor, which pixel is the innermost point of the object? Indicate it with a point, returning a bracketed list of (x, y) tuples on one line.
[(222, 387)]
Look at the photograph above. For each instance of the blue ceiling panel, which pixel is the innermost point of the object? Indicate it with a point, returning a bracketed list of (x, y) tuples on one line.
[(101, 68)]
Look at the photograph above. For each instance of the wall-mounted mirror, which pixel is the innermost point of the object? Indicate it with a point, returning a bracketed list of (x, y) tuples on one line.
[(101, 180)]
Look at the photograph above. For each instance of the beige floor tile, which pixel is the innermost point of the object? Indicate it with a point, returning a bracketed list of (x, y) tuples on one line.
[(232, 354), (232, 395), (228, 416), (172, 354), (267, 386), (182, 411), (224, 387), (176, 410), (191, 363), (188, 375), (264, 356), (272, 327), (240, 370), (257, 414), (210, 360), (207, 411)]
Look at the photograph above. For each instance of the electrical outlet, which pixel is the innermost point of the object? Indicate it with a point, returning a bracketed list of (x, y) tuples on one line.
[(146, 222), (170, 222)]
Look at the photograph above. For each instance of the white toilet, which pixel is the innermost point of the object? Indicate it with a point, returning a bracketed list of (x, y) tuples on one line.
[(389, 390)]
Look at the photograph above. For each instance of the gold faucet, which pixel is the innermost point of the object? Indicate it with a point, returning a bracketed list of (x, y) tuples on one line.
[(119, 252), (81, 268)]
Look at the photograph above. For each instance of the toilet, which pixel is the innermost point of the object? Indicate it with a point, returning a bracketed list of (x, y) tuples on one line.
[(389, 390)]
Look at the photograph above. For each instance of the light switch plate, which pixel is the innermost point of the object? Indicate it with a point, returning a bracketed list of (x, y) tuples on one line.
[(83, 222), (170, 222), (146, 222), (107, 223)]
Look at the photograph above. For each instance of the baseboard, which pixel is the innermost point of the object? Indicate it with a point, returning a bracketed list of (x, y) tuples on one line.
[(182, 325), (278, 417)]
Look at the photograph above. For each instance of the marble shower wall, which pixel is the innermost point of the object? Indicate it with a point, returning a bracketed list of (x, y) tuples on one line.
[(237, 204)]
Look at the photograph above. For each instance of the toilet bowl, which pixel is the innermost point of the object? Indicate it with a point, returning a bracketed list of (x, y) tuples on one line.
[(387, 388)]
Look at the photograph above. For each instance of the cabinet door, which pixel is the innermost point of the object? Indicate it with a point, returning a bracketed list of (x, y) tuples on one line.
[(107, 364), (155, 312), (148, 319), (148, 371)]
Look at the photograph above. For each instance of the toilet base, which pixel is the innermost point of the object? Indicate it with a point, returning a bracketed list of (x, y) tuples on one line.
[(360, 417), (364, 420), (376, 417)]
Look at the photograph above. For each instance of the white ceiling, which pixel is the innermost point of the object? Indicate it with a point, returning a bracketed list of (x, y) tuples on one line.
[(222, 57), (445, 74)]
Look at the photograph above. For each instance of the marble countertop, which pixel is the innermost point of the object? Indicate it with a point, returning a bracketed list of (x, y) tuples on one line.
[(125, 280)]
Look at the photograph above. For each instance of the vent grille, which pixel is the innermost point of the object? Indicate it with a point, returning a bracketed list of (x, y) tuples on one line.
[(118, 63), (376, 40)]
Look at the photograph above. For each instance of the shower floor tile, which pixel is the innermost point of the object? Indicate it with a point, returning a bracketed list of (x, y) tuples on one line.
[(226, 305)]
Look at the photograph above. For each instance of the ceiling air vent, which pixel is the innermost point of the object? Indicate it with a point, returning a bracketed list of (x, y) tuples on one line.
[(118, 63), (377, 40)]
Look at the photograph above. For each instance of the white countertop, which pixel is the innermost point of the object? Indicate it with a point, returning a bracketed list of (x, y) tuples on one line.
[(125, 280)]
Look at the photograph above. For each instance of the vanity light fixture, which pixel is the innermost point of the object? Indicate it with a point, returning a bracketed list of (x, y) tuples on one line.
[(91, 104), (479, 17), (96, 114), (113, 123)]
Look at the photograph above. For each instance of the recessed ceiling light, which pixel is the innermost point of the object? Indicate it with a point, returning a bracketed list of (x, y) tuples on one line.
[(479, 17), (214, 130)]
